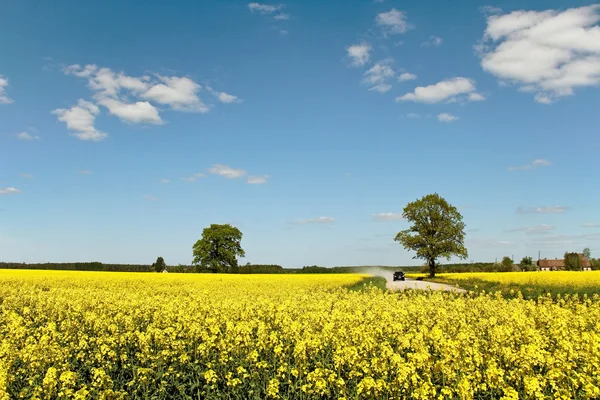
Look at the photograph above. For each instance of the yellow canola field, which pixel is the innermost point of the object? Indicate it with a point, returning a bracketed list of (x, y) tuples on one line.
[(167, 336), (549, 279)]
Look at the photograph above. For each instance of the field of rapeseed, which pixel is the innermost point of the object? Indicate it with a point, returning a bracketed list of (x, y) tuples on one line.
[(528, 284), (123, 336)]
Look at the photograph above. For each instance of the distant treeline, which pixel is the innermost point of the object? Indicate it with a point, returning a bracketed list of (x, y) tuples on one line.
[(79, 266)]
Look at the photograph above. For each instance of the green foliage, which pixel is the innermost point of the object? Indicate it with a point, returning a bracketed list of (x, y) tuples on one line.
[(572, 262), (79, 266), (368, 283), (527, 264), (506, 265), (260, 269), (437, 230), (159, 265), (218, 249), (587, 253)]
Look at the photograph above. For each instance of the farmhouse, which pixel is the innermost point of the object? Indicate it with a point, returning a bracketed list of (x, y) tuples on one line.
[(559, 264)]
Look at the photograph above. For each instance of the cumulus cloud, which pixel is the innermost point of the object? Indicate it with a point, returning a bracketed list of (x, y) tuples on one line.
[(140, 112), (455, 89), (549, 52), (541, 210), (4, 99), (533, 230), (27, 136), (387, 216), (379, 75), (392, 22), (9, 190), (318, 220), (80, 119), (538, 162), (406, 76), (359, 54), (226, 171), (178, 93), (446, 117), (223, 97)]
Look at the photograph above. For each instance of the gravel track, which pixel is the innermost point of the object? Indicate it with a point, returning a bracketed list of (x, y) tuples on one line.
[(422, 285)]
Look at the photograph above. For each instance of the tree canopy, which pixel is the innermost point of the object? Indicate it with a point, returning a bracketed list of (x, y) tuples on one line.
[(218, 249), (437, 230), (159, 265), (587, 253)]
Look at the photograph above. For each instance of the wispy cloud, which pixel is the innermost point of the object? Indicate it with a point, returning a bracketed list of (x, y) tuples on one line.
[(26, 176), (533, 230), (433, 41), (9, 190), (165, 181), (359, 54), (447, 117), (26, 136), (591, 225), (194, 177), (258, 180), (273, 10), (150, 198), (490, 10), (4, 99), (318, 220), (226, 171), (379, 75), (541, 210), (392, 22), (84, 172), (413, 115), (387, 216), (538, 162)]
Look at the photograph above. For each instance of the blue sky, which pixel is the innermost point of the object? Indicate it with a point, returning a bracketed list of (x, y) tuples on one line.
[(128, 127)]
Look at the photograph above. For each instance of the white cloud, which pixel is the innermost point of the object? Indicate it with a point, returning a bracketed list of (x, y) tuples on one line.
[(449, 90), (106, 82), (552, 51), (319, 220), (150, 198), (4, 99), (406, 76), (533, 230), (378, 76), (194, 177), (226, 171), (446, 117), (282, 17), (413, 115), (359, 53), (26, 176), (179, 93), (538, 162), (476, 97), (387, 216), (433, 41), (392, 22), (258, 180), (140, 112), (264, 8), (165, 181), (224, 97), (26, 136), (80, 119), (9, 190), (541, 210)]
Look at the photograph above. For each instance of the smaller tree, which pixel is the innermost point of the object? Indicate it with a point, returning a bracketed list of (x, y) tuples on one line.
[(507, 264), (587, 253), (159, 265), (527, 264), (572, 262)]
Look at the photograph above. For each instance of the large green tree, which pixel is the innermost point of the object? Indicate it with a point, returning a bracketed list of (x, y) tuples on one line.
[(159, 265), (218, 249), (437, 230), (572, 262)]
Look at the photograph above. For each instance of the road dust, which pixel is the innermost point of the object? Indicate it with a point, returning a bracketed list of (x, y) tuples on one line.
[(408, 283)]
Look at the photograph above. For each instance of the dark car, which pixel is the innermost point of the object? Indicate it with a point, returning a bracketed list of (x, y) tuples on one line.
[(399, 276)]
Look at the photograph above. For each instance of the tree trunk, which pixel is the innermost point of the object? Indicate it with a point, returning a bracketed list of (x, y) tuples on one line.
[(432, 268)]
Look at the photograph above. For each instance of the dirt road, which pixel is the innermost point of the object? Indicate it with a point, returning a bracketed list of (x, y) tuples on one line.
[(423, 285)]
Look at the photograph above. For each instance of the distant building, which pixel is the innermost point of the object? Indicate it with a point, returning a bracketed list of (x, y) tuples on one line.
[(559, 264)]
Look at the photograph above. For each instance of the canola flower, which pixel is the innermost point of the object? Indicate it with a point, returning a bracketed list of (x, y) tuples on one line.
[(85, 335), (549, 279)]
